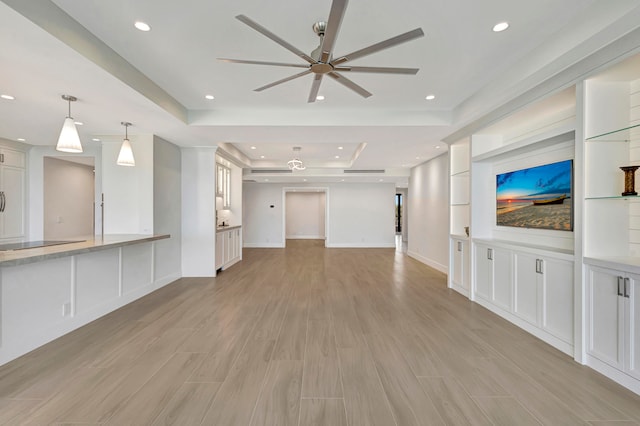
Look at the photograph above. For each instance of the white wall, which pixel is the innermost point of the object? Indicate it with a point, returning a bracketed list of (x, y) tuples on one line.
[(128, 191), (428, 213), (167, 209), (359, 215), (305, 215), (68, 199), (198, 212)]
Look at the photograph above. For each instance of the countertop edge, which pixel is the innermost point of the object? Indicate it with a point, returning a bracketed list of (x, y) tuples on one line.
[(33, 255), (227, 228)]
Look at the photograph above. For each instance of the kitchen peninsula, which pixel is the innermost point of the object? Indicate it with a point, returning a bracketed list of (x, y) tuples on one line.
[(52, 290)]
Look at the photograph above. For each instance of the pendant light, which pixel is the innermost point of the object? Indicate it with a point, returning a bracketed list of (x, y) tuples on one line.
[(295, 163), (125, 158), (69, 141)]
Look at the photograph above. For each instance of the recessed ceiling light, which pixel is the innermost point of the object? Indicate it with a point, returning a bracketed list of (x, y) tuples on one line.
[(430, 97), (417, 158), (262, 156), (21, 139), (142, 26), (266, 180), (341, 180), (7, 97), (96, 139), (319, 98), (501, 26), (304, 180), (337, 156), (78, 123), (253, 147), (210, 97), (437, 146), (340, 147), (380, 180)]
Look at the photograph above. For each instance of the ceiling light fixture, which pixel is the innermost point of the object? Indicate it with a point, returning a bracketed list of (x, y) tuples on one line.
[(69, 140), (21, 139), (319, 98), (96, 139), (295, 163), (253, 147), (337, 156), (125, 157), (501, 26), (142, 26), (7, 97), (209, 97), (430, 97), (340, 147), (78, 123)]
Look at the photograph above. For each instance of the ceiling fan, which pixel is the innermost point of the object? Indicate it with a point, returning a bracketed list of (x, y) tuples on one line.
[(321, 61)]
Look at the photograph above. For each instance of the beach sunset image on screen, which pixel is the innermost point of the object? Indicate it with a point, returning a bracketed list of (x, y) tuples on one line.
[(536, 197)]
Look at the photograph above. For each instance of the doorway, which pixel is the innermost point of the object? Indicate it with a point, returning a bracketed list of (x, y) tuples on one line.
[(69, 188), (399, 213), (305, 214)]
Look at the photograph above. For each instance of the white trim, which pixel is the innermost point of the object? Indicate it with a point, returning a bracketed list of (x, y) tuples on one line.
[(435, 265), (360, 245), (305, 237), (263, 245)]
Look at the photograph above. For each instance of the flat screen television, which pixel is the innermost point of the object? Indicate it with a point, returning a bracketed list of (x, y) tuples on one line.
[(536, 197)]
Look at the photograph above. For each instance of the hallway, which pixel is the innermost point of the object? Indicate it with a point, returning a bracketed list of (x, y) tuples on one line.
[(308, 336)]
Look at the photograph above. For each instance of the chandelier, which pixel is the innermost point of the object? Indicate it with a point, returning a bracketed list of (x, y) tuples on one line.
[(295, 163)]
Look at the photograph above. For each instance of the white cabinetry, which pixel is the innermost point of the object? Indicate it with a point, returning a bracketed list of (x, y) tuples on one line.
[(459, 215), (459, 271), (223, 185), (12, 194), (532, 288), (228, 247), (613, 298)]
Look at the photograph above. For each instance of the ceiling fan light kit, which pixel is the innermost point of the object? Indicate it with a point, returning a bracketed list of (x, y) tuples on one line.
[(321, 62)]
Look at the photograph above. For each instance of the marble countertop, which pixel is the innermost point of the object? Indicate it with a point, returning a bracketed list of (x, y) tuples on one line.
[(89, 244)]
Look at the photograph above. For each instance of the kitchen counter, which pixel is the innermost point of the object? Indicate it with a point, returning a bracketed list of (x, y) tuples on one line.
[(89, 244), (227, 228)]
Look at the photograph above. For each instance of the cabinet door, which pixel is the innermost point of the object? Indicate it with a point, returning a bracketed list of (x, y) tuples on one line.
[(557, 298), (633, 325), (238, 245), (605, 316), (13, 198), (9, 157), (526, 287), (484, 272), (502, 278), (226, 196), (229, 241), (219, 180), (458, 262)]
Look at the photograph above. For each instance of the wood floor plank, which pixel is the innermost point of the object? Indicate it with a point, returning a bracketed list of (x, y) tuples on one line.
[(452, 402), (409, 403), (506, 412), (279, 402), (321, 378), (365, 400), (310, 336), (146, 403), (188, 405), (236, 399), (322, 412)]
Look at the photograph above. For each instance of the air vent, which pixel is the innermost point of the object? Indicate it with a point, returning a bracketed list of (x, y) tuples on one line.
[(266, 171), (363, 171)]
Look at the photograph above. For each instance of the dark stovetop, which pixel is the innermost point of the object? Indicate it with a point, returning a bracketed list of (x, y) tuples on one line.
[(33, 244)]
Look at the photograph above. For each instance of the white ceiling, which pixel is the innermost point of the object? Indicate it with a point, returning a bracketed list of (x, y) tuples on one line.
[(157, 80)]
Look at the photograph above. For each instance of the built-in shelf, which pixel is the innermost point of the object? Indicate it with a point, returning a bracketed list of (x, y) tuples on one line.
[(620, 135), (461, 174), (614, 197)]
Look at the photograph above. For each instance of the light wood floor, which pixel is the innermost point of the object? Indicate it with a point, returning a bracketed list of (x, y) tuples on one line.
[(308, 336)]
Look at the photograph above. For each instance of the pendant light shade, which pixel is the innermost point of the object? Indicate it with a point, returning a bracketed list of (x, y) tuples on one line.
[(69, 140), (125, 157)]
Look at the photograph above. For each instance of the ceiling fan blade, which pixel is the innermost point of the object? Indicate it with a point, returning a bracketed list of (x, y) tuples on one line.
[(277, 64), (338, 7), (350, 84), (393, 41), (284, 80), (315, 87), (262, 30), (382, 70)]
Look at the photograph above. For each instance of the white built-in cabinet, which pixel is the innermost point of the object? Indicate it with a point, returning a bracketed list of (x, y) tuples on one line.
[(12, 194), (459, 214), (613, 297), (228, 247)]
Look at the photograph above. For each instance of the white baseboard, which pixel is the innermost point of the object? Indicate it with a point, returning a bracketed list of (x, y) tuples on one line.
[(435, 265), (305, 237), (361, 245), (263, 245)]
